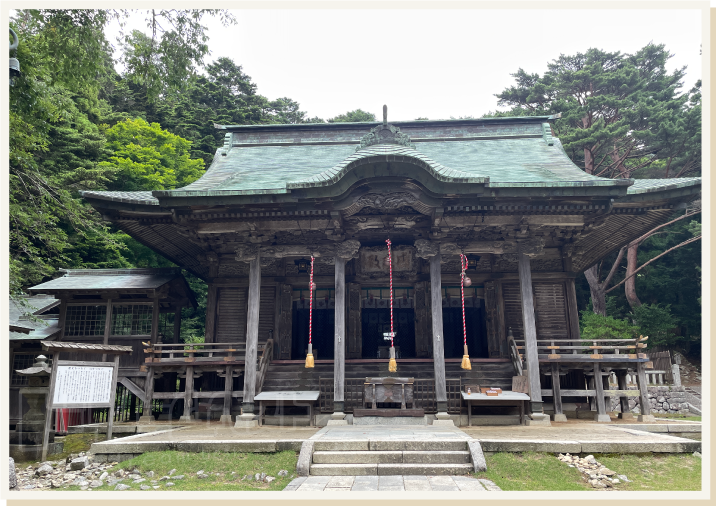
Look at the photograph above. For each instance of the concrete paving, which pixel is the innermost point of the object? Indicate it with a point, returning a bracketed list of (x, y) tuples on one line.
[(399, 483)]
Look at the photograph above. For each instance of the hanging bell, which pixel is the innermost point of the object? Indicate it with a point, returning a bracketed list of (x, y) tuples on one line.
[(392, 364), (309, 357), (467, 281)]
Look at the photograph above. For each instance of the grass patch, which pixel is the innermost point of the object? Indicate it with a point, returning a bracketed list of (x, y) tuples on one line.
[(543, 471), (680, 471), (211, 463), (678, 416), (531, 471)]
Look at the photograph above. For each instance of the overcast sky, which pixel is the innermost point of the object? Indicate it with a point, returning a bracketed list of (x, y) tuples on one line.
[(431, 63)]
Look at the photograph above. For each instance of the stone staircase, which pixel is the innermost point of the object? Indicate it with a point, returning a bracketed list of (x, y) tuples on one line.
[(693, 397), (393, 457)]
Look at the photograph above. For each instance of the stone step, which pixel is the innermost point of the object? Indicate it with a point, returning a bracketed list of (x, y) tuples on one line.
[(445, 445), (390, 469), (391, 457)]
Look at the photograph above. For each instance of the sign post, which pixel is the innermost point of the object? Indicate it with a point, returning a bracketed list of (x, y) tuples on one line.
[(81, 384)]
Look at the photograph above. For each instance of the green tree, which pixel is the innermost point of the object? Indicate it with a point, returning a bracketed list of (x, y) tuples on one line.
[(622, 116), (596, 326), (162, 61), (355, 116), (145, 157)]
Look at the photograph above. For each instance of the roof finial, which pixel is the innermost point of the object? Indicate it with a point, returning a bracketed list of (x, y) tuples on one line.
[(385, 114)]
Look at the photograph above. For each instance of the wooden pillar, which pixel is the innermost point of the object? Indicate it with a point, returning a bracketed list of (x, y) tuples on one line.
[(601, 415), (339, 343), (149, 382), (62, 318), (252, 335), (530, 329), (107, 326), (573, 312), (436, 305), (228, 388), (188, 393), (556, 390), (210, 328), (644, 404), (285, 328), (177, 324), (622, 382)]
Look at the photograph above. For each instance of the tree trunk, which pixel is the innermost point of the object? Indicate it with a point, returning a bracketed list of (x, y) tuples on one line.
[(599, 298), (630, 284)]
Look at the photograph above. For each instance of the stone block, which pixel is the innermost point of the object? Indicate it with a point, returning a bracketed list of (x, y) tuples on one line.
[(539, 423), (304, 458), (341, 482), (289, 445), (427, 469), (385, 420), (366, 483), (444, 457), (478, 457), (444, 445), (344, 469), (602, 418), (626, 416), (684, 427), (466, 484), (640, 447), (356, 457), (13, 476), (549, 446), (646, 418), (79, 463), (341, 445), (559, 417)]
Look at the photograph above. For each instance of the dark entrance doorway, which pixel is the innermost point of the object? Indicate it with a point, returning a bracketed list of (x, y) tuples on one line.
[(377, 321), (322, 335), (476, 332)]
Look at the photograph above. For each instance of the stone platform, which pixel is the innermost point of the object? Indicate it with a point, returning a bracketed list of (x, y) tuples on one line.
[(573, 437)]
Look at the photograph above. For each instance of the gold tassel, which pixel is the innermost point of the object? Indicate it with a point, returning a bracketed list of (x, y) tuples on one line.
[(392, 364), (466, 360), (309, 357)]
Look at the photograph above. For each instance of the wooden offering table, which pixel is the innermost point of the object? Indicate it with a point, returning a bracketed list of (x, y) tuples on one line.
[(389, 391), (294, 398), (506, 398)]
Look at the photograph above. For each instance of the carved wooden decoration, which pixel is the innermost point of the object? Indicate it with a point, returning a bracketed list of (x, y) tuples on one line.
[(354, 328)]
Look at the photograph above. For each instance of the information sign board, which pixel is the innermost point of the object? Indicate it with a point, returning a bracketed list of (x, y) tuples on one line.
[(87, 386)]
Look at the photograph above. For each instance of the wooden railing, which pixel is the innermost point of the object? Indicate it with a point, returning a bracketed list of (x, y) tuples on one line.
[(195, 352), (594, 349), (264, 362)]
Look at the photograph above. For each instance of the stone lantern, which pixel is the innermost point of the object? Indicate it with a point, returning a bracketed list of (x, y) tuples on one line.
[(26, 441)]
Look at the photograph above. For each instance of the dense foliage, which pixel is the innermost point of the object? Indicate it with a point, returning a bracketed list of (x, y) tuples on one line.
[(76, 124)]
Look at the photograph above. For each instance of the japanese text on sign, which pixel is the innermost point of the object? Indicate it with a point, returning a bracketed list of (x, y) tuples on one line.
[(82, 385)]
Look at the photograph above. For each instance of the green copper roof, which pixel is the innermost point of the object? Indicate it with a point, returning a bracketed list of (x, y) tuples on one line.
[(499, 153)]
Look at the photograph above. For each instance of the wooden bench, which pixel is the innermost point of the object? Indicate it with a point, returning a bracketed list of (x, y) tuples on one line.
[(305, 398), (506, 398)]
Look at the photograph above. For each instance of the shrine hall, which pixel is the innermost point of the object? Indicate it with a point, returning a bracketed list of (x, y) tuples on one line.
[(391, 253)]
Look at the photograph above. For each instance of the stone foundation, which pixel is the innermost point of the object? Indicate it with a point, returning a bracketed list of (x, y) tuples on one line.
[(662, 399)]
